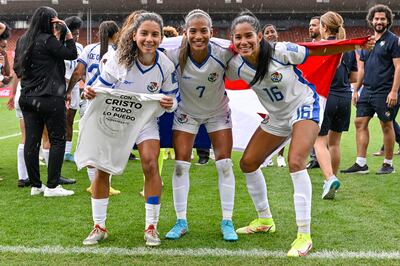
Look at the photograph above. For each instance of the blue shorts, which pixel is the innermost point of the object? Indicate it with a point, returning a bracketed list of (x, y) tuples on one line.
[(337, 115), (369, 103)]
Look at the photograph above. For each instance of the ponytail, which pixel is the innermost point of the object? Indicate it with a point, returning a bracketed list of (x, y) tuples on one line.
[(264, 59)]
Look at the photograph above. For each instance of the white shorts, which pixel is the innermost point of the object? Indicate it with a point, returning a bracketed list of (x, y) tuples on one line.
[(184, 122), (18, 111), (82, 106), (149, 131), (75, 98), (309, 110)]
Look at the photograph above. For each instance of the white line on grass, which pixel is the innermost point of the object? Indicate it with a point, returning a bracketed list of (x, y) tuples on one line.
[(10, 136), (200, 252)]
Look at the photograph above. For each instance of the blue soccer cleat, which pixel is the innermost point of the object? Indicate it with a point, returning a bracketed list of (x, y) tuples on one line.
[(228, 231), (180, 228)]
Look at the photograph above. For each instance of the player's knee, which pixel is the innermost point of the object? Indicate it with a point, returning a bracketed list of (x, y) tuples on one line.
[(296, 163), (247, 165)]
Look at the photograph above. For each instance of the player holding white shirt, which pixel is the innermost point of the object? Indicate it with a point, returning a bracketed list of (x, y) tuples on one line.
[(88, 68), (294, 112), (137, 67), (201, 68)]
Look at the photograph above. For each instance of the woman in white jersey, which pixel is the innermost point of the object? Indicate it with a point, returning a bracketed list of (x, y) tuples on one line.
[(201, 68), (88, 69), (146, 70), (294, 112)]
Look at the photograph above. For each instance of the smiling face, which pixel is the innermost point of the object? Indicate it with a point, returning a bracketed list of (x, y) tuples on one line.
[(379, 22), (270, 34), (246, 41), (198, 33), (148, 37)]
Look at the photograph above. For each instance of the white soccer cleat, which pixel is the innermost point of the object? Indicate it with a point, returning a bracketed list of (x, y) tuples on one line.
[(96, 235), (58, 191), (280, 161), (38, 190), (151, 236)]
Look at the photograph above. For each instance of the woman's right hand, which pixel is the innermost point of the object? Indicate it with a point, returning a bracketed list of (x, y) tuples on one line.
[(89, 93)]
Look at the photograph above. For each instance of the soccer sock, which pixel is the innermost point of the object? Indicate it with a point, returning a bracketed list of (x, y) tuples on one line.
[(302, 200), (257, 189), (226, 184), (152, 207), (390, 162), (68, 146), (180, 187), (99, 211), (46, 153), (91, 172), (361, 161), (22, 172), (109, 180)]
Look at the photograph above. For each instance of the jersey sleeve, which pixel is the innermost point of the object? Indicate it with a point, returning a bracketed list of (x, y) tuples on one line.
[(232, 70), (353, 66), (395, 47), (105, 80), (288, 53)]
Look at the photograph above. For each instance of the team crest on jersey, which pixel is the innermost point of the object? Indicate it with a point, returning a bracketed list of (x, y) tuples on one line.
[(265, 120), (152, 87), (213, 77), (183, 118), (276, 77), (382, 43)]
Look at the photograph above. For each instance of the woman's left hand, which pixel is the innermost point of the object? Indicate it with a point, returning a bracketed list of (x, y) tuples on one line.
[(166, 102)]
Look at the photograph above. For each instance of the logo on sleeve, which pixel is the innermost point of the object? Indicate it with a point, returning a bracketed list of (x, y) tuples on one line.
[(213, 77), (276, 77), (291, 47), (152, 87)]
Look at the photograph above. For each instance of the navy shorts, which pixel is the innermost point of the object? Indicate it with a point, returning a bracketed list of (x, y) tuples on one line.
[(368, 104), (337, 115)]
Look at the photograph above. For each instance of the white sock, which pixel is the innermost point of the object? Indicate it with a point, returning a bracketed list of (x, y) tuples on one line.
[(257, 189), (152, 214), (302, 200), (46, 153), (91, 172), (361, 161), (68, 146), (390, 162), (180, 187), (109, 180), (226, 185), (22, 172), (99, 211)]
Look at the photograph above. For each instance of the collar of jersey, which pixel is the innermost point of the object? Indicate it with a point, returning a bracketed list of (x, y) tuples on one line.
[(248, 64), (148, 69), (205, 60)]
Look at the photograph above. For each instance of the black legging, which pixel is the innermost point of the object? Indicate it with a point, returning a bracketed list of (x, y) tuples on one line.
[(38, 112)]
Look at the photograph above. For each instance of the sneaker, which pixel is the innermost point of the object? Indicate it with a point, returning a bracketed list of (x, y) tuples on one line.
[(280, 161), (132, 157), (151, 236), (259, 225), (301, 246), (38, 190), (114, 192), (228, 231), (202, 161), (386, 169), (42, 162), (96, 235), (69, 157), (379, 153), (267, 163), (179, 229), (312, 164), (141, 193), (89, 189), (66, 181), (24, 182), (356, 169), (330, 187), (58, 191)]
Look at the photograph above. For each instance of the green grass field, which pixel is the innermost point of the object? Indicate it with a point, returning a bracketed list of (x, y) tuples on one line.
[(359, 227)]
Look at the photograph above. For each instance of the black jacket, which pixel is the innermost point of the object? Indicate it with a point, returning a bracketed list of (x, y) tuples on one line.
[(44, 73)]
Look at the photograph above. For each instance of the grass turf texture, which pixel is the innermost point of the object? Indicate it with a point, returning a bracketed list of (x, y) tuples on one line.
[(363, 217)]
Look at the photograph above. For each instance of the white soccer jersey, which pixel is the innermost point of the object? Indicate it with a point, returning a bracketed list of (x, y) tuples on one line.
[(90, 57), (283, 89), (158, 78), (110, 127), (202, 90), (71, 64)]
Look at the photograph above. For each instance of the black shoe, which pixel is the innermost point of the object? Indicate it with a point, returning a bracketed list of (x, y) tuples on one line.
[(132, 157), (24, 183), (66, 181), (202, 161), (313, 164), (356, 169), (385, 169)]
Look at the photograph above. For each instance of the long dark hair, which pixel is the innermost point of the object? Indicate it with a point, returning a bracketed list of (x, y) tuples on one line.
[(39, 23), (266, 50), (107, 29)]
